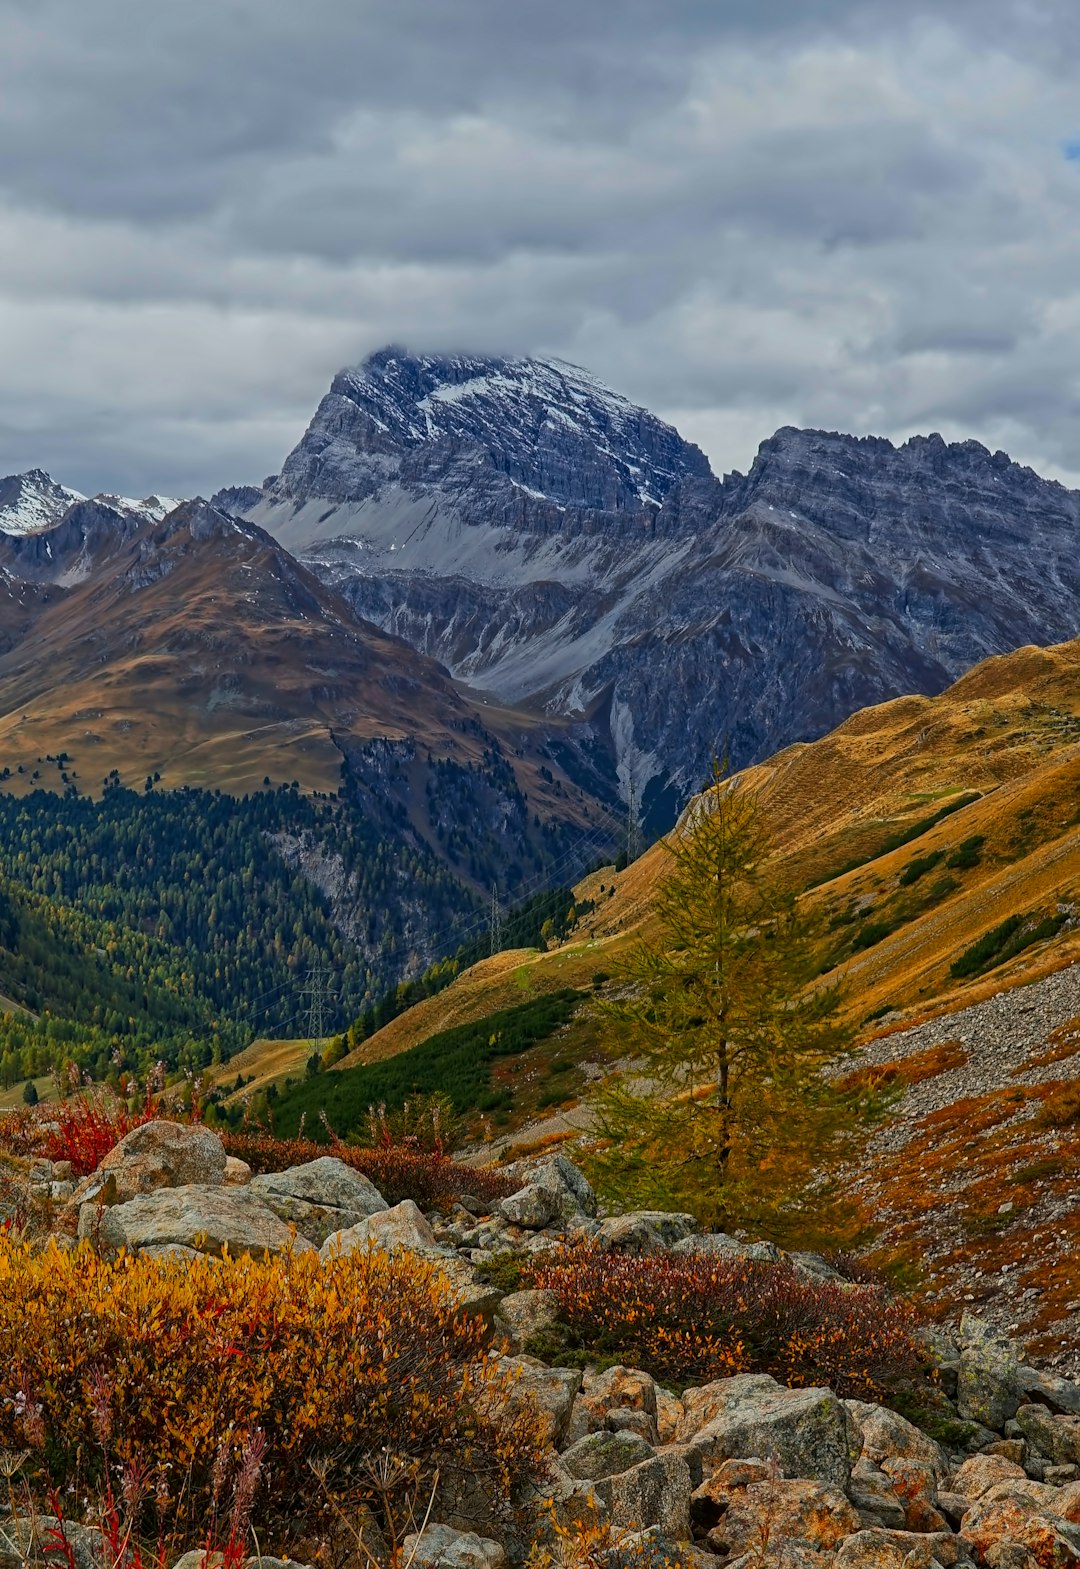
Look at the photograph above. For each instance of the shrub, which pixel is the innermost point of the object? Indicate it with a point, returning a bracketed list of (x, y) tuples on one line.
[(967, 854), (919, 867), (695, 1319), (173, 1369), (1005, 942), (85, 1127), (397, 1170)]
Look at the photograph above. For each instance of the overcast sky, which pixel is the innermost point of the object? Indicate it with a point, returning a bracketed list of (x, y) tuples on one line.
[(743, 213)]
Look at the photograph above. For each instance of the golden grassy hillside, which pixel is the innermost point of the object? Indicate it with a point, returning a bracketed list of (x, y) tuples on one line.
[(1006, 734)]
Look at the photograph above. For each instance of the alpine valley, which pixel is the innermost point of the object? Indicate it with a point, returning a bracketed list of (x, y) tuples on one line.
[(353, 716)]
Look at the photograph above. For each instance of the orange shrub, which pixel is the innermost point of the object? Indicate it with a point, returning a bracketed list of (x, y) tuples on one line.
[(689, 1320), (332, 1367)]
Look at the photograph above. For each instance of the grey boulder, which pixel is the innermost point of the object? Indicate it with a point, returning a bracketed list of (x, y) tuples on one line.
[(321, 1197)]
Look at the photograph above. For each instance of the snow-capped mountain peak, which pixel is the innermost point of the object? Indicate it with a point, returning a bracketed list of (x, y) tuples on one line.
[(33, 501)]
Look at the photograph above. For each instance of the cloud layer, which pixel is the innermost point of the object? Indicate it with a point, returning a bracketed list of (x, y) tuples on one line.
[(741, 212)]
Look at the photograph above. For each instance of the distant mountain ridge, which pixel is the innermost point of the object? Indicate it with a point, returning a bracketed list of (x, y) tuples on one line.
[(556, 546)]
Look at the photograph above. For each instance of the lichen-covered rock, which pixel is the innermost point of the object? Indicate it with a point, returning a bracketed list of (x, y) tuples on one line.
[(643, 1231), (602, 1454), (532, 1208), (568, 1190), (982, 1472), (208, 1220), (1060, 1394), (1021, 1512), (524, 1314), (881, 1549), (656, 1492), (888, 1436), (717, 1244), (551, 1390), (796, 1513), (875, 1497), (988, 1380), (1056, 1437), (441, 1547), (31, 1540), (155, 1155), (320, 1198), (805, 1431), (237, 1172)]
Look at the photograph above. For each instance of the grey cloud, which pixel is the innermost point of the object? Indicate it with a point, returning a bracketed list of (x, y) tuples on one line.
[(742, 212)]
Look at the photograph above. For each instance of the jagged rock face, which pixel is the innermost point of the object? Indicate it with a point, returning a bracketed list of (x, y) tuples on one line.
[(553, 545)]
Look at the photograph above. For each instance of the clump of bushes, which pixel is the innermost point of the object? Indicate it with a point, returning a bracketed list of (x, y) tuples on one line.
[(690, 1320), (176, 1372), (399, 1171), (1005, 942)]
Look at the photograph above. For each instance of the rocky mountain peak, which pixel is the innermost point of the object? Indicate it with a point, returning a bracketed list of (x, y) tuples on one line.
[(550, 429), (33, 501)]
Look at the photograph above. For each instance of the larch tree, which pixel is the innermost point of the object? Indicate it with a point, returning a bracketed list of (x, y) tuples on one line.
[(725, 1109)]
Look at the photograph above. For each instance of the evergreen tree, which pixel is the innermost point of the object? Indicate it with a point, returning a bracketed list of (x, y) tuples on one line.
[(725, 1110)]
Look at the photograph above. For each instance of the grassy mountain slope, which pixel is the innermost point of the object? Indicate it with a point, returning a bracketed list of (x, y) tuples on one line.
[(995, 758)]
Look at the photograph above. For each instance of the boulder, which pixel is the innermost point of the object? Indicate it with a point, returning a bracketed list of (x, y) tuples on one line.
[(567, 1186), (717, 1244), (440, 1547), (622, 1389), (669, 1413), (550, 1390), (796, 1513), (524, 1314), (988, 1379), (320, 1198), (598, 1455), (887, 1436), (27, 1540), (874, 1496), (1056, 1437), (1060, 1394), (207, 1220), (653, 1492), (533, 1208), (155, 1155), (916, 1485), (700, 1404), (804, 1430), (237, 1172), (880, 1549), (982, 1472), (1021, 1512), (403, 1226), (643, 1231)]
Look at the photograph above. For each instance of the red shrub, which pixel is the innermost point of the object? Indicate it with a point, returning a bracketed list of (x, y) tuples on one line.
[(85, 1128), (398, 1171), (695, 1319)]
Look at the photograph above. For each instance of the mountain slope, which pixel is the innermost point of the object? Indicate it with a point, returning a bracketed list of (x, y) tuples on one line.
[(553, 545)]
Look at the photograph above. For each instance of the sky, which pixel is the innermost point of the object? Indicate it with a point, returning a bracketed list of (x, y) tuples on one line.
[(856, 214)]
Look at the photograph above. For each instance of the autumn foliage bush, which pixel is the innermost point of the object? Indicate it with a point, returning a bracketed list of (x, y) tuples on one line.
[(175, 1369), (690, 1320), (399, 1171)]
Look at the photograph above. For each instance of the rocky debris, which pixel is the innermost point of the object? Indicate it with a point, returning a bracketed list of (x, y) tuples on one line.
[(708, 1475), (188, 1220), (717, 1244), (441, 1547), (320, 1198)]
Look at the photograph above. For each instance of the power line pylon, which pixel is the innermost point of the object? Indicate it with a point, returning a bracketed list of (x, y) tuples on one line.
[(495, 920), (318, 990), (633, 833)]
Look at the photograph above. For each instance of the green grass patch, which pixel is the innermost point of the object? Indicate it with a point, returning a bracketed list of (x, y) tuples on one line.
[(455, 1062)]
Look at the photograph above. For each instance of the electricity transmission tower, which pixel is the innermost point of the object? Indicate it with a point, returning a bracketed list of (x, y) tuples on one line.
[(495, 920), (318, 990), (633, 833)]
